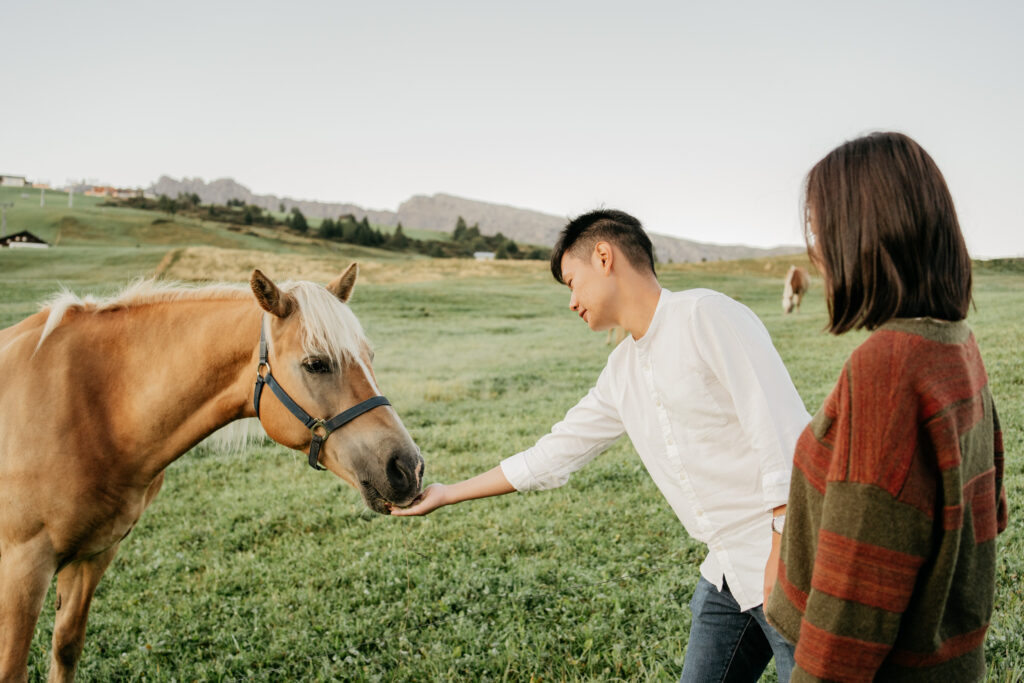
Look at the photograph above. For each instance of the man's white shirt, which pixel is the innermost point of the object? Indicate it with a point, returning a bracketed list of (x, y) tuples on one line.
[(714, 416)]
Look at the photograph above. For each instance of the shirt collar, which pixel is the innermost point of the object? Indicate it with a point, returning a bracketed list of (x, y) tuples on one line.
[(942, 331), (659, 314)]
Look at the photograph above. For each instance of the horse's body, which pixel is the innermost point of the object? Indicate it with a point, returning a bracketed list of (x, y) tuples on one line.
[(615, 336), (796, 284), (98, 399)]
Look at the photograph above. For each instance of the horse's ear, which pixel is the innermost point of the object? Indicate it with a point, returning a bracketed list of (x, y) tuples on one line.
[(270, 297), (341, 286)]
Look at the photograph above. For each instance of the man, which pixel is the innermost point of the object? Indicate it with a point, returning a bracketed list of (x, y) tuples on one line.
[(713, 414)]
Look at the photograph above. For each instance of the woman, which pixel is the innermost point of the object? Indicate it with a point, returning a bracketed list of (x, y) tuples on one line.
[(887, 563)]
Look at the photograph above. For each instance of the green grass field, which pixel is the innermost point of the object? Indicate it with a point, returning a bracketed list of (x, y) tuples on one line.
[(253, 567)]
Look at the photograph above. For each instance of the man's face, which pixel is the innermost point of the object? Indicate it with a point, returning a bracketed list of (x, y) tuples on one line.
[(590, 283)]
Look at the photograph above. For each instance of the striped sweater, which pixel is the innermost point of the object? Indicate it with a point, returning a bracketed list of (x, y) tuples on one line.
[(887, 567)]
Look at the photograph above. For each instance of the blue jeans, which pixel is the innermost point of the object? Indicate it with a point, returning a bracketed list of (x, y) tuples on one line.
[(730, 646)]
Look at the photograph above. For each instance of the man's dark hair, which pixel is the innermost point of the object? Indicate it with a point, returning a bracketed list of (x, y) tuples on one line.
[(604, 225), (879, 221)]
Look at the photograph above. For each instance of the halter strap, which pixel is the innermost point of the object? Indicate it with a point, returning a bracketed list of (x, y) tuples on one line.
[(320, 429)]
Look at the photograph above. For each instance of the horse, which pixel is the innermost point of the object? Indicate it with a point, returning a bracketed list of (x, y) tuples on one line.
[(100, 396), (615, 336), (793, 289)]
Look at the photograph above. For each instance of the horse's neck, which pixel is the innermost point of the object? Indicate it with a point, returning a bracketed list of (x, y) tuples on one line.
[(181, 371)]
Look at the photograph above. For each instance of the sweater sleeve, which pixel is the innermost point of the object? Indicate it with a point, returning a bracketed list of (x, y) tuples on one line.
[(870, 545)]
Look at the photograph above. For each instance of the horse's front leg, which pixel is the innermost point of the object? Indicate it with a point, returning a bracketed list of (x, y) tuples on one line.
[(25, 573), (76, 584)]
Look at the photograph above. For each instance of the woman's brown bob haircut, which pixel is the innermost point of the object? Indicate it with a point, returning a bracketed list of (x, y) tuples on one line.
[(880, 224)]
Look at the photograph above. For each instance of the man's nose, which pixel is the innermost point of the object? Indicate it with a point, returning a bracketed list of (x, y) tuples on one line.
[(573, 304)]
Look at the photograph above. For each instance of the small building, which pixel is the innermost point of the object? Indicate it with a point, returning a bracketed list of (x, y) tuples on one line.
[(23, 239), (13, 181), (483, 255), (113, 192), (99, 191)]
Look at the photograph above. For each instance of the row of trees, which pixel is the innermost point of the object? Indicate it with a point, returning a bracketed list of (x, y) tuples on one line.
[(502, 247), (465, 240), (235, 211)]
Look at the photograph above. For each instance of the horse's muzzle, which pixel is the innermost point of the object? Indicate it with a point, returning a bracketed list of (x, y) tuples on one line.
[(404, 475)]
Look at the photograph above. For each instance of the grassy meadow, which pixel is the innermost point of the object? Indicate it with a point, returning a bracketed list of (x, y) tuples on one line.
[(252, 566)]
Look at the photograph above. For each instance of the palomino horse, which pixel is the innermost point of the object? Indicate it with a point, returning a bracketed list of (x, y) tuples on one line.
[(98, 398), (615, 336), (796, 284)]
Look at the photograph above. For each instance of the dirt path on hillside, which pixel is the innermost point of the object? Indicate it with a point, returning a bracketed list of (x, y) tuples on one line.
[(236, 265)]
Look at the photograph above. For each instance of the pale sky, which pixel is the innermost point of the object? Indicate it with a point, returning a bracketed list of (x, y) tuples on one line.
[(699, 118)]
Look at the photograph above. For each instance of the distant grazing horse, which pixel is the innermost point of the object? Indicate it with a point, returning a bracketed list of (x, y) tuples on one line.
[(615, 336), (97, 398), (796, 284)]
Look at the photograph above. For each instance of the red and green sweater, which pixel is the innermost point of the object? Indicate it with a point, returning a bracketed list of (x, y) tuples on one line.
[(887, 568)]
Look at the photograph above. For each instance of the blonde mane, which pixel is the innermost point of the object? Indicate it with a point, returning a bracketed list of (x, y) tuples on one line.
[(328, 325)]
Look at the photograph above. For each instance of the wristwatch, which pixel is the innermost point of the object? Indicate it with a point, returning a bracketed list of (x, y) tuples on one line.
[(778, 523)]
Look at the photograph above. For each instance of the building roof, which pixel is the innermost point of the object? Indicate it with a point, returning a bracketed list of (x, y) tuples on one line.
[(24, 237)]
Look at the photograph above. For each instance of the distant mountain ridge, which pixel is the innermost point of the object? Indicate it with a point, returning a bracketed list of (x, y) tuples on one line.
[(440, 211)]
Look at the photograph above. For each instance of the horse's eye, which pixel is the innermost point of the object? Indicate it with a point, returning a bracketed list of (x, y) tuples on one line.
[(316, 366)]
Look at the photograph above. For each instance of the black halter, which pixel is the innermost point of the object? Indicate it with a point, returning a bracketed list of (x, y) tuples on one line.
[(321, 429)]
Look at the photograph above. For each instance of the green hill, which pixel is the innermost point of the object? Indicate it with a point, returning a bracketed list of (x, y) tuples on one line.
[(103, 243)]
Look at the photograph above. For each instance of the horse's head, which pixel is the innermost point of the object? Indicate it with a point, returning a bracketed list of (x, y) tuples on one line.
[(319, 356)]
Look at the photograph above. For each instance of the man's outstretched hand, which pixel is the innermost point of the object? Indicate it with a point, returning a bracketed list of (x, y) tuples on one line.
[(432, 497), (490, 483)]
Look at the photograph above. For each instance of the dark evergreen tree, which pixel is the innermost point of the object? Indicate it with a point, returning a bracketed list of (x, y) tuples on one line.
[(459, 233), (297, 221), (328, 229), (398, 239), (166, 204)]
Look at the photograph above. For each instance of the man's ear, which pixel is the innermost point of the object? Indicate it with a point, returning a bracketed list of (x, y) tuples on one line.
[(270, 298), (342, 285), (603, 256)]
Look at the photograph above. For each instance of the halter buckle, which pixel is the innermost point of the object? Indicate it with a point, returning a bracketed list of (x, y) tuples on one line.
[(263, 365), (325, 431)]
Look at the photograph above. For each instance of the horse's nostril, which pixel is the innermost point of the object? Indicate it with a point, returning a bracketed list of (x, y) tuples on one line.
[(398, 474)]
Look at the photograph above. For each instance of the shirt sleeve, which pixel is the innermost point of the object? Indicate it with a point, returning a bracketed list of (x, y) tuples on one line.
[(737, 348), (588, 428)]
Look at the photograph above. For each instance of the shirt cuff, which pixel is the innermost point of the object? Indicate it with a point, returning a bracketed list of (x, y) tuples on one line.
[(518, 473), (775, 486)]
